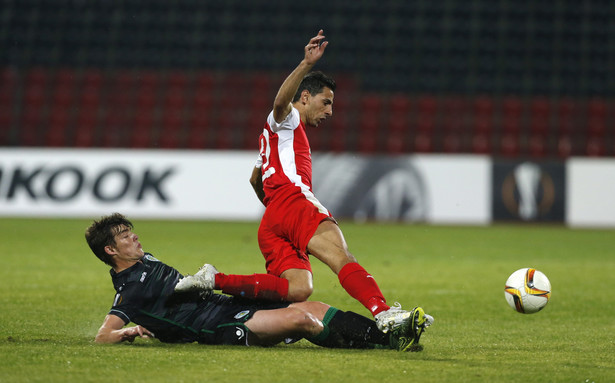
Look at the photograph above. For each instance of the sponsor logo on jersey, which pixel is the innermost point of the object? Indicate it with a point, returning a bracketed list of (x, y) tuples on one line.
[(242, 314), (150, 257), (239, 332)]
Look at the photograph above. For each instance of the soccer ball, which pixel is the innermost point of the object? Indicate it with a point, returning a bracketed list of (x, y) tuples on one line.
[(527, 290)]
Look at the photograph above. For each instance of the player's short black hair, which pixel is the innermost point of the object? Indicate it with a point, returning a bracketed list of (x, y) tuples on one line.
[(102, 233), (314, 82)]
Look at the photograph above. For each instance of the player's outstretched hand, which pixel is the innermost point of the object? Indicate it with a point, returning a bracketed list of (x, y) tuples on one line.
[(130, 333), (315, 48)]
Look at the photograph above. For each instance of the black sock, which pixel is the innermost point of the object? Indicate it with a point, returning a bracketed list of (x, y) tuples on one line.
[(346, 329), (358, 328)]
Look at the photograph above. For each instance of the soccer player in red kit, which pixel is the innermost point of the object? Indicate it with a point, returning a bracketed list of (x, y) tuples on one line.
[(295, 223)]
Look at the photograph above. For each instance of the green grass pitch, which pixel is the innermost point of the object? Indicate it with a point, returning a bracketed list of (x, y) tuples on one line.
[(55, 294)]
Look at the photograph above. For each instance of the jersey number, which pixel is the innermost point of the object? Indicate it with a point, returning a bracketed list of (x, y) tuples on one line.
[(265, 152)]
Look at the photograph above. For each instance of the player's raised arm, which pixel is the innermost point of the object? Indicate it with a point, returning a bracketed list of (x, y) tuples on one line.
[(313, 52)]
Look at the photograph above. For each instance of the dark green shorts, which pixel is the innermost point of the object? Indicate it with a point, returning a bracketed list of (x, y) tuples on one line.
[(227, 324)]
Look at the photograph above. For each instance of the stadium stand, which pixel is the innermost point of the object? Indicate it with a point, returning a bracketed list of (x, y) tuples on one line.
[(529, 79)]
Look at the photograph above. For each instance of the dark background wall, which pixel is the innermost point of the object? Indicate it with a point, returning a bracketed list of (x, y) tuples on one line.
[(507, 78)]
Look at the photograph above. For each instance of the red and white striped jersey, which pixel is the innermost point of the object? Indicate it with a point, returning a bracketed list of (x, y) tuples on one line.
[(285, 158)]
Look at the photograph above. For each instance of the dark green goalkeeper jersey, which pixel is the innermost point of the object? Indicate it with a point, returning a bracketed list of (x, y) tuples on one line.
[(145, 296)]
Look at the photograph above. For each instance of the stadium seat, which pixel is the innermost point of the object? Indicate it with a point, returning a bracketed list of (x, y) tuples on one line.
[(596, 118), (483, 115), (511, 115), (141, 134), (174, 109), (57, 128), (370, 123), (426, 114), (426, 124), (509, 145), (481, 143), (452, 142), (564, 146), (540, 113), (85, 128), (423, 143), (595, 147), (62, 99), (482, 125), (368, 135), (337, 139), (454, 126), (8, 87), (567, 116), (537, 145), (32, 119)]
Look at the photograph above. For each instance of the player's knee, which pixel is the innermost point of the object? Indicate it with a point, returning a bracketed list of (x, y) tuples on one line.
[(306, 323), (299, 293)]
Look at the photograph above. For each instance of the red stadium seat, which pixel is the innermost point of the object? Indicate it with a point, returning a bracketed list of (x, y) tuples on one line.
[(370, 123), (426, 114), (423, 142), (511, 115), (483, 114), (452, 142), (481, 143), (8, 86), (564, 146), (32, 123), (537, 145), (509, 145), (597, 119), (540, 118), (595, 147), (62, 99), (368, 133), (482, 125), (337, 140), (567, 116), (454, 129)]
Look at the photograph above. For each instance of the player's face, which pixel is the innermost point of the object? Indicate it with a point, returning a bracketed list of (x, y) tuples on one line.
[(127, 247), (320, 107)]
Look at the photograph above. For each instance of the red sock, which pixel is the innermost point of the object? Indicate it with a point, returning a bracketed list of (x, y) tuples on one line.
[(255, 286), (362, 287)]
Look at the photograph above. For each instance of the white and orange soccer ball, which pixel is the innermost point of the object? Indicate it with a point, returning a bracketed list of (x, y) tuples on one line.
[(527, 290)]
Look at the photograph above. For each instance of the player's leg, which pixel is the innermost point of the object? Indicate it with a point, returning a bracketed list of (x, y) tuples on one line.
[(268, 327), (293, 285), (328, 245), (320, 324), (300, 284), (288, 278), (346, 329), (350, 330), (255, 286)]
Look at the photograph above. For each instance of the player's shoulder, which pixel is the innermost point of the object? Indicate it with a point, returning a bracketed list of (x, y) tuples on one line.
[(290, 122)]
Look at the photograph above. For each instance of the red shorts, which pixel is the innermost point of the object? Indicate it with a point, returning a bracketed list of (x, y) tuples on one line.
[(285, 230)]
